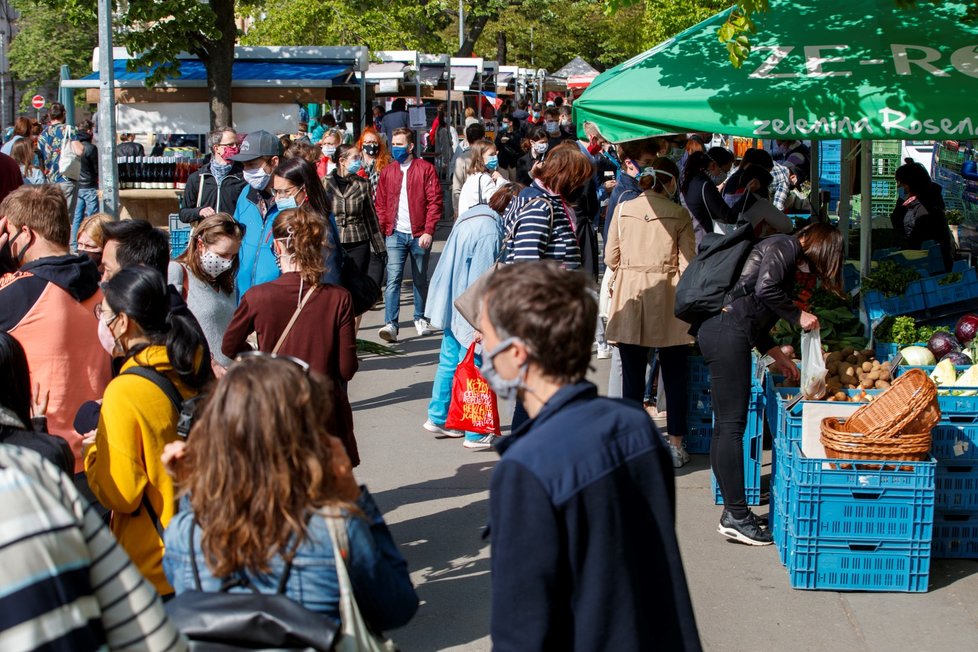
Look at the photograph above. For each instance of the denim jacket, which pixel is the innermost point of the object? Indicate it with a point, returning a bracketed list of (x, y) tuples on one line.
[(377, 570)]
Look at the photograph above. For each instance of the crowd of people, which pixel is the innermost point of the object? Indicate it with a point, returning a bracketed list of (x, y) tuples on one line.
[(196, 406)]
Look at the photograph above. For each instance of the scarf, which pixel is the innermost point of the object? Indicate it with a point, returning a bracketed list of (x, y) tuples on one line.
[(220, 171)]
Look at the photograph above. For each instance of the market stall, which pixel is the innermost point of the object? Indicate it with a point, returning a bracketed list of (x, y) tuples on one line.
[(269, 84), (579, 75), (861, 460)]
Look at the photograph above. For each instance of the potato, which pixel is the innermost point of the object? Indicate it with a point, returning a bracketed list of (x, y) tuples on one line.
[(874, 375), (867, 366), (841, 396), (882, 384), (884, 373), (860, 359), (831, 398), (867, 383), (876, 364), (847, 351), (847, 380), (834, 357)]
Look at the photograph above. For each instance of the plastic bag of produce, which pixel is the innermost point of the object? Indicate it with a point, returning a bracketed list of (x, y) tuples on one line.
[(813, 369)]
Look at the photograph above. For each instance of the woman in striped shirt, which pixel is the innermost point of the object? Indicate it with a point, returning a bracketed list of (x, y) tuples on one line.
[(540, 222)]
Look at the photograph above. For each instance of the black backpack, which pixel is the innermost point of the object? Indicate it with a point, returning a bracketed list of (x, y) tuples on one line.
[(224, 621), (704, 288)]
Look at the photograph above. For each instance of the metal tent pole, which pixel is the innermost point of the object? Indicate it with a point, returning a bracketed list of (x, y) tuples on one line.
[(845, 195), (106, 110), (866, 208)]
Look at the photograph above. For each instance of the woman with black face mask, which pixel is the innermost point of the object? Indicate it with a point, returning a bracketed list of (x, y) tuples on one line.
[(534, 147)]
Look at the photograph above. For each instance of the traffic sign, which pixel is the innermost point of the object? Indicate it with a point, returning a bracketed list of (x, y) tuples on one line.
[(37, 102)]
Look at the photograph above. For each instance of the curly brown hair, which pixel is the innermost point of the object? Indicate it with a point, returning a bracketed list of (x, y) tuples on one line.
[(304, 232), (258, 460)]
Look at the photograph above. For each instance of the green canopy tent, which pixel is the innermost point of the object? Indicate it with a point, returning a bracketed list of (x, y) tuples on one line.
[(818, 69)]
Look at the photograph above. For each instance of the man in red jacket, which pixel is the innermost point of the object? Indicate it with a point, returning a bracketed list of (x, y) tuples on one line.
[(409, 205)]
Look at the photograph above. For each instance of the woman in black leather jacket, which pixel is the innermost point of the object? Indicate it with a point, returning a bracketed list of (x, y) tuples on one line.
[(766, 284)]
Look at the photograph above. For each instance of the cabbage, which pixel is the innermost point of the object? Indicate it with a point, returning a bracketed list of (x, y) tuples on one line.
[(918, 356), (967, 379), (944, 373)]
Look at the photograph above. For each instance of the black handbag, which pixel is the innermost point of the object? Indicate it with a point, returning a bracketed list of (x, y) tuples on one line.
[(220, 621), (363, 289)]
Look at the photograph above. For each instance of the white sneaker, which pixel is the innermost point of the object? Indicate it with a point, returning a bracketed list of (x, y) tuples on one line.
[(430, 426), (679, 455), (423, 326), (484, 443), (388, 333), (604, 352)]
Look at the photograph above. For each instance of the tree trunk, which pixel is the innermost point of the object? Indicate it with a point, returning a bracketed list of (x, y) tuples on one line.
[(219, 62), (501, 48), (473, 30)]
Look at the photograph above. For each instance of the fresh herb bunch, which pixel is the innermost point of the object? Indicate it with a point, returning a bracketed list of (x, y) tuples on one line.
[(890, 278), (901, 330)]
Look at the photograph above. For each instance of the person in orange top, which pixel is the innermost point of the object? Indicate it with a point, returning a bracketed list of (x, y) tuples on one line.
[(46, 303)]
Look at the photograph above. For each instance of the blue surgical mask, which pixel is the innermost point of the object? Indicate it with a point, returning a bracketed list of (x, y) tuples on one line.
[(551, 126), (354, 166), (492, 163), (504, 389), (286, 203), (400, 154), (257, 179), (503, 127), (329, 152)]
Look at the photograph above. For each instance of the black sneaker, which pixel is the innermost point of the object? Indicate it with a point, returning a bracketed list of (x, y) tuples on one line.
[(747, 530)]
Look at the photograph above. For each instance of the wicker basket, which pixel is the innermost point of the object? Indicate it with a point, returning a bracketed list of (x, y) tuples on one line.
[(841, 444), (909, 405)]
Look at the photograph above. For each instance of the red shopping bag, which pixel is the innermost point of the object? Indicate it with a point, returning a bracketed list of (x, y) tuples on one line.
[(473, 407)]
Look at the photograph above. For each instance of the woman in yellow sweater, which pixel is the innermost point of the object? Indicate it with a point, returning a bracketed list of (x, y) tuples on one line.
[(138, 416)]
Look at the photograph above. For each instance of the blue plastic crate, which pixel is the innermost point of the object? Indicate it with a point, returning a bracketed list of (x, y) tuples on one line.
[(957, 486), (698, 439), (955, 438), (826, 564), (178, 241), (955, 535), (885, 350), (884, 189), (850, 277), (937, 295), (753, 453), (878, 305), (951, 405), (777, 520)]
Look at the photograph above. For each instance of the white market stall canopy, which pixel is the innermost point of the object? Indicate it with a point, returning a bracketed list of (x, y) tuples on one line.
[(194, 117)]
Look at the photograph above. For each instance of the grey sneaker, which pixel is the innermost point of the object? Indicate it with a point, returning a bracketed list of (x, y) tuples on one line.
[(679, 455), (423, 326), (388, 333), (431, 426), (747, 530), (484, 443)]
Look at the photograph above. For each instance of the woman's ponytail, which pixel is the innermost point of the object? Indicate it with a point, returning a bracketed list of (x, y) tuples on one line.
[(304, 231)]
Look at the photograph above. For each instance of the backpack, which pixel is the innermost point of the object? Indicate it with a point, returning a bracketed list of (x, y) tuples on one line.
[(704, 288), (222, 620), (69, 163)]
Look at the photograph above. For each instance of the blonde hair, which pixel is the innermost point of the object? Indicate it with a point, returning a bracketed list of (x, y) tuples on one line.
[(92, 225)]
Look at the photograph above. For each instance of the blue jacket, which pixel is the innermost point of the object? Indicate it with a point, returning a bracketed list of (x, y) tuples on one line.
[(257, 262), (584, 551), (626, 189), (471, 249), (377, 570)]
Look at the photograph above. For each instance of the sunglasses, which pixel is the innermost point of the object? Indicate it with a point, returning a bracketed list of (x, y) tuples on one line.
[(302, 364)]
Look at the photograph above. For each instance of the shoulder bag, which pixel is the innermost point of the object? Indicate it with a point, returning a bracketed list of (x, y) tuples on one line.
[(355, 634), (69, 163), (252, 620), (295, 315), (469, 303)]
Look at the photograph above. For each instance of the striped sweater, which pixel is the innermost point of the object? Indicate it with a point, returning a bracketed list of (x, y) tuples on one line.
[(537, 227), (65, 583)]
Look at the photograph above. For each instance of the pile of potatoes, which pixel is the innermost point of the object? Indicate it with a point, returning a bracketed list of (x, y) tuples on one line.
[(853, 369)]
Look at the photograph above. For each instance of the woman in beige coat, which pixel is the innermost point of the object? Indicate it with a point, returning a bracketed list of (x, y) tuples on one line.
[(650, 243)]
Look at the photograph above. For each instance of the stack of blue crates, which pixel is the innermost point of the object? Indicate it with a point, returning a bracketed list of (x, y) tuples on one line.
[(830, 169), (955, 447), (700, 424), (841, 525)]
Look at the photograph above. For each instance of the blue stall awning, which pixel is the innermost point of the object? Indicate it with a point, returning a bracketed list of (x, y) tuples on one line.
[(244, 74)]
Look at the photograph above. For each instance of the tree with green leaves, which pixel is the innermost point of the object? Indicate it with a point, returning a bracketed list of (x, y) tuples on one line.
[(160, 30), (43, 44)]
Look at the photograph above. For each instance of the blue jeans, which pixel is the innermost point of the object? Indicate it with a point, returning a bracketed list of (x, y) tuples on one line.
[(86, 204), (399, 247), (449, 357)]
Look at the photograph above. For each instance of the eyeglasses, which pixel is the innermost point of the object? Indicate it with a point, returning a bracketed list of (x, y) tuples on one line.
[(302, 364), (99, 312), (281, 193)]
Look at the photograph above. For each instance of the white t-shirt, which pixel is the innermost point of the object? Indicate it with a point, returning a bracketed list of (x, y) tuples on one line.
[(476, 185), (403, 209)]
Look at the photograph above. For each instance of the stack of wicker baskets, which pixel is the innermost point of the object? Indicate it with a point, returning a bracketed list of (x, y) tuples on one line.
[(895, 426)]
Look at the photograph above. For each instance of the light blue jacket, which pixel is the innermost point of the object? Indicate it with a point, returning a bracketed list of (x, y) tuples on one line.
[(472, 247), (257, 262), (377, 570)]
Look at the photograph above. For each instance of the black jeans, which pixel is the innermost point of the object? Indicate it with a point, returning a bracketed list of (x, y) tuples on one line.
[(727, 351), (672, 360)]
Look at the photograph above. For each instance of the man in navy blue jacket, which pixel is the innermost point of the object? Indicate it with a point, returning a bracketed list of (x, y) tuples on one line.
[(584, 551)]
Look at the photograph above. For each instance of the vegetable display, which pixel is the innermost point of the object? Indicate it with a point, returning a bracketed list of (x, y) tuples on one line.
[(855, 369), (966, 328), (942, 343), (890, 278), (918, 356)]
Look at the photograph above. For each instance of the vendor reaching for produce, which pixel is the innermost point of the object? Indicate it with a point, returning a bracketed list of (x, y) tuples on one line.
[(765, 292)]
